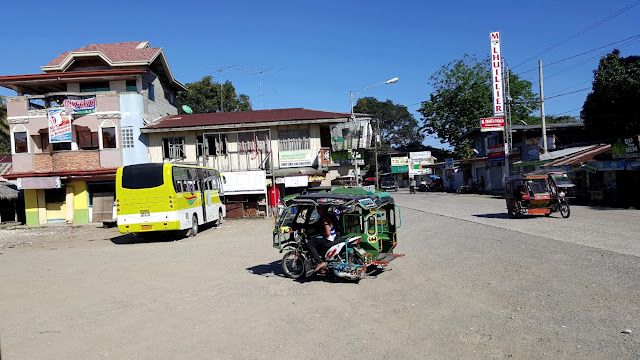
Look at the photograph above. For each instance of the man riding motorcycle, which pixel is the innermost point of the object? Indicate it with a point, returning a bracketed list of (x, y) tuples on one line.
[(327, 235)]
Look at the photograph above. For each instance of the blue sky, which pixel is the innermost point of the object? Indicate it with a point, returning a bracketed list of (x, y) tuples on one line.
[(311, 54)]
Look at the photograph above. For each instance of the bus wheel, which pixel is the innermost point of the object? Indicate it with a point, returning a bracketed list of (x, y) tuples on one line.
[(194, 225), (219, 221)]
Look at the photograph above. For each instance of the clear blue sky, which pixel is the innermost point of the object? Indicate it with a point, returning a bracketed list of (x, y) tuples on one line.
[(314, 53)]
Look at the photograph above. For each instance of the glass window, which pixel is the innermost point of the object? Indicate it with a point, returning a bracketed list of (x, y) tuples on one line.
[(20, 142), (127, 138), (87, 140), (94, 86), (142, 176), (169, 97), (131, 85), (109, 138), (151, 91), (61, 146)]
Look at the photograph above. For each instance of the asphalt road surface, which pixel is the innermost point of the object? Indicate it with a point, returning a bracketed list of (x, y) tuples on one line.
[(473, 285)]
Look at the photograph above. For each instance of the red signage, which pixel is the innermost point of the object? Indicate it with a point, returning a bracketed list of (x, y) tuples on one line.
[(495, 153), (492, 124)]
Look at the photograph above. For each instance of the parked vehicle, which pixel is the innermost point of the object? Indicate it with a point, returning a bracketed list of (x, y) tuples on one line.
[(389, 183), (538, 193), (168, 197), (366, 222)]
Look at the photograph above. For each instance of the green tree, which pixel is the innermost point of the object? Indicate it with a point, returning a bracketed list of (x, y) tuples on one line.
[(612, 109), (204, 97), (5, 141), (462, 96), (397, 125)]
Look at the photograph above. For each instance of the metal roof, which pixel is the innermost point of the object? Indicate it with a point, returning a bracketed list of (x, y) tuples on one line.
[(580, 157), (255, 117)]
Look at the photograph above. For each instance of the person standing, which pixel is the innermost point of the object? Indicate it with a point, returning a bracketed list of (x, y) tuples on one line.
[(412, 186)]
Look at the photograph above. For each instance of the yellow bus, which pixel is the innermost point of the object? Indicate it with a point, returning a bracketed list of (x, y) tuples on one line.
[(168, 197)]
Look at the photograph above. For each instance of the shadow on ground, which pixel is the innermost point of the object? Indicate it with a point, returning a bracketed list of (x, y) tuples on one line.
[(272, 268)]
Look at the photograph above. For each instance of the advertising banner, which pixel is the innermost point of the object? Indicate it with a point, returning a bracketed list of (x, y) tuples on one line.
[(626, 148), (325, 156), (293, 158), (551, 142), (530, 153), (80, 106), (59, 125), (495, 153), (496, 74), (492, 124), (351, 135), (296, 181), (420, 155), (448, 163), (245, 182), (419, 162), (399, 161)]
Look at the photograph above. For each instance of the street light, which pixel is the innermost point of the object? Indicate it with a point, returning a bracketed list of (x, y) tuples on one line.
[(353, 118)]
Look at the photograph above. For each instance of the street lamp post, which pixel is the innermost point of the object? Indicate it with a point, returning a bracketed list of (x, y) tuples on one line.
[(353, 118)]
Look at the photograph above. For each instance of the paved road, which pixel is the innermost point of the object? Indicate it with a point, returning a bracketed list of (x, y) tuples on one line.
[(474, 285)]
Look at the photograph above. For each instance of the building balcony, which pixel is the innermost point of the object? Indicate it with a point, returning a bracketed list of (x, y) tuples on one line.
[(37, 105), (77, 160)]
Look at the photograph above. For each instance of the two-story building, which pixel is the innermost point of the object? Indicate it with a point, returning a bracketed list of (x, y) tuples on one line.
[(74, 124), (277, 152)]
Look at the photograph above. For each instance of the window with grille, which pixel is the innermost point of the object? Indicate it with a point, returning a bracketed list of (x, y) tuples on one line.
[(173, 148), (217, 144), (297, 139), (127, 138)]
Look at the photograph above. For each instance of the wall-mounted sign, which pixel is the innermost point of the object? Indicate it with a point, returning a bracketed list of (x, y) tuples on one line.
[(551, 142), (399, 161), (448, 163), (420, 155), (530, 153), (80, 106), (294, 158), (59, 125), (325, 156), (492, 124), (628, 147), (496, 74), (495, 153), (296, 181)]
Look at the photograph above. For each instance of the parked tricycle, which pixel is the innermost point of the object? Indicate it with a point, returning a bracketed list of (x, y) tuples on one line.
[(366, 225)]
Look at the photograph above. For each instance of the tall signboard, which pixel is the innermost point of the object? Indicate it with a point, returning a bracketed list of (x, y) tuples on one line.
[(496, 75)]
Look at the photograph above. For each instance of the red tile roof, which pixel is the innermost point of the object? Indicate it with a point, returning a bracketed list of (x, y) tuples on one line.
[(244, 117), (116, 53)]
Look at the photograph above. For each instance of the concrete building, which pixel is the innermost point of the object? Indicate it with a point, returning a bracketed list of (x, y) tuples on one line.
[(74, 124), (276, 152)]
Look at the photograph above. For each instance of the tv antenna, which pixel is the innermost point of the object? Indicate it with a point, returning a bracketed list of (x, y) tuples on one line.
[(219, 71), (260, 77)]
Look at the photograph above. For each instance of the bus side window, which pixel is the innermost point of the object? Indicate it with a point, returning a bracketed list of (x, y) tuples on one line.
[(178, 186)]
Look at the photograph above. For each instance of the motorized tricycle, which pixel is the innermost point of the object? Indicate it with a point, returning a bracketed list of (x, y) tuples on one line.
[(366, 223), (538, 193)]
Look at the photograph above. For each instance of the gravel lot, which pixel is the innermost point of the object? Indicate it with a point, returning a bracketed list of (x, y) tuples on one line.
[(474, 285)]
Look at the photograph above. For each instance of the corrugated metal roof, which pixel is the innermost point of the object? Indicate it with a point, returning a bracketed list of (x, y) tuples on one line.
[(551, 155), (117, 52), (244, 117), (581, 157)]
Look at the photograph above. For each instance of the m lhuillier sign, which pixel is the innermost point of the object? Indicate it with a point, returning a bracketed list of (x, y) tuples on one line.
[(492, 124), (496, 75)]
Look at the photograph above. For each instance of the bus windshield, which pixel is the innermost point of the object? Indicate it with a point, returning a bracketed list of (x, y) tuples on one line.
[(142, 176)]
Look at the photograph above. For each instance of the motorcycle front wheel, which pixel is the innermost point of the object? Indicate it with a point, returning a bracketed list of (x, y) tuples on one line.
[(293, 265), (564, 210)]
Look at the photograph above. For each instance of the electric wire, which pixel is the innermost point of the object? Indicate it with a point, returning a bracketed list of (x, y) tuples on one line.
[(583, 53), (588, 28)]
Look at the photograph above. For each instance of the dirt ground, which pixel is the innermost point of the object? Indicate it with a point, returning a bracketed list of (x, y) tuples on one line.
[(472, 286)]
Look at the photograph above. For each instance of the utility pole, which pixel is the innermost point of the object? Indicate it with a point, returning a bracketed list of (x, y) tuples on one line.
[(544, 126), (377, 141)]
